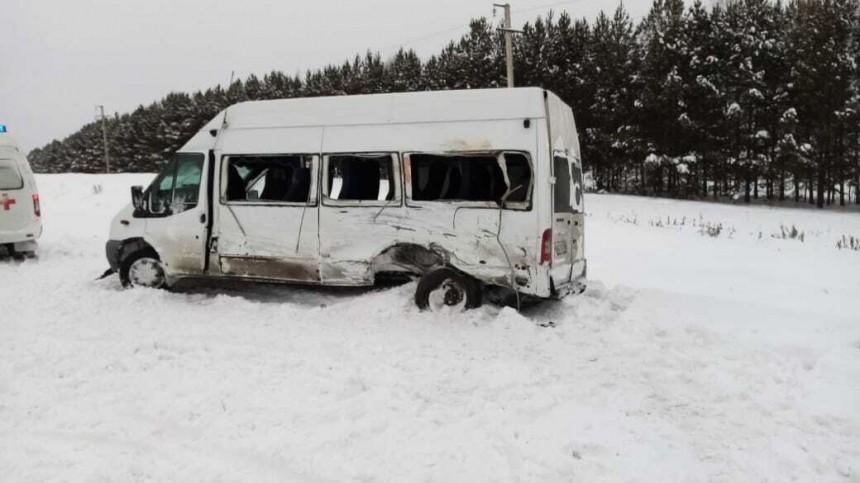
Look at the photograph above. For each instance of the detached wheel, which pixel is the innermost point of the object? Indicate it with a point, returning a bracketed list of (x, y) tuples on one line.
[(143, 269), (447, 290)]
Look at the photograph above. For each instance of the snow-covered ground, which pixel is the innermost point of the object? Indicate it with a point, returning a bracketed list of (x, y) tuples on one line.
[(691, 357)]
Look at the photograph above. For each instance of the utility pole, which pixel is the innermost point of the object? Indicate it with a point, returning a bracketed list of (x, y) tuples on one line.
[(105, 139), (509, 43)]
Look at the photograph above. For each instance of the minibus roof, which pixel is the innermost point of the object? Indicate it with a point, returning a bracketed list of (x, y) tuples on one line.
[(394, 108)]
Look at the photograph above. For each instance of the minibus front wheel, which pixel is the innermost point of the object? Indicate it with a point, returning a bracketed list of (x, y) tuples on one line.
[(143, 269), (445, 289)]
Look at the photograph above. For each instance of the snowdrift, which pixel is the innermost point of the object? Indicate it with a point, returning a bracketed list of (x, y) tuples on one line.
[(715, 343)]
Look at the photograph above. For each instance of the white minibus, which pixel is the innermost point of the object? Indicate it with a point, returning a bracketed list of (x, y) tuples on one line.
[(472, 192)]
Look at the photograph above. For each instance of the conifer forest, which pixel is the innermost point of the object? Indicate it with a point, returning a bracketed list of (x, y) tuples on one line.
[(742, 100)]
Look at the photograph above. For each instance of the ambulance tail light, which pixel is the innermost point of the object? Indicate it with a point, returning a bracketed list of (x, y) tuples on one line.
[(546, 247), (37, 207)]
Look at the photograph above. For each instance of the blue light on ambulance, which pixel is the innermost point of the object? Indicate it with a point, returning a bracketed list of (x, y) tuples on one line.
[(2, 128)]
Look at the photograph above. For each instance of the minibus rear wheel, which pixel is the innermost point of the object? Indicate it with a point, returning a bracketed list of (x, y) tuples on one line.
[(446, 289), (143, 268)]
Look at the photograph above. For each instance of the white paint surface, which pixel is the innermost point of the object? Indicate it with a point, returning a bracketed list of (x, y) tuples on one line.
[(19, 222)]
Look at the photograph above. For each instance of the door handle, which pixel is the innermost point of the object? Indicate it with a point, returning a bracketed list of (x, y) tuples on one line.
[(203, 218)]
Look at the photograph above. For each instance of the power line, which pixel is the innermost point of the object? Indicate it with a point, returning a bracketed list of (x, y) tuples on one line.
[(463, 27), (531, 9), (425, 37)]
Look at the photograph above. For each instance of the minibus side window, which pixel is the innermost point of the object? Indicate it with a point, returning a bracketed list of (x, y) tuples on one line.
[(519, 176), (561, 170), (360, 177), (10, 177), (186, 189), (576, 168), (177, 188), (161, 191), (268, 179), (471, 177)]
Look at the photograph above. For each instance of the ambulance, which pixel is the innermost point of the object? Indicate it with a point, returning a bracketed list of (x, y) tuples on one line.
[(20, 212)]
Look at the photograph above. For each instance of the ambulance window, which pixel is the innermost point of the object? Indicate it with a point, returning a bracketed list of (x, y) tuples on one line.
[(360, 177), (10, 177), (269, 179)]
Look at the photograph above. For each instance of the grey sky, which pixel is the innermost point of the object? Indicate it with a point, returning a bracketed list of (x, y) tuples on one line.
[(59, 58)]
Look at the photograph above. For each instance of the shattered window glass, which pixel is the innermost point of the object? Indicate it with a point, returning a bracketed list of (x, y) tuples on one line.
[(361, 177), (482, 177), (519, 177), (281, 178), (561, 169)]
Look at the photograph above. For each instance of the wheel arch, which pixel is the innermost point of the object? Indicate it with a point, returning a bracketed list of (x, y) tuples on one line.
[(133, 245), (411, 258)]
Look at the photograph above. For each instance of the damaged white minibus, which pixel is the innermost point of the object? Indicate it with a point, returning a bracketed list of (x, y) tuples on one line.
[(473, 192)]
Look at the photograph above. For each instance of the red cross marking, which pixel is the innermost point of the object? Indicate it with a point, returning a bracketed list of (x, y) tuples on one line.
[(7, 202)]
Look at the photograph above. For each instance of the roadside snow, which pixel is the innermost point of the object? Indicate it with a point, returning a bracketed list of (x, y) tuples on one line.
[(697, 354)]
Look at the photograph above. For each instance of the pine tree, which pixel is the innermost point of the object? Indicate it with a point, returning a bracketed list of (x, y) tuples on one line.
[(611, 137), (661, 100), (688, 102)]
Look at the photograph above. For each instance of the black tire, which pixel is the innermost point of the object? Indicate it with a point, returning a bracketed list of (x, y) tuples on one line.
[(21, 256), (459, 290), (127, 263)]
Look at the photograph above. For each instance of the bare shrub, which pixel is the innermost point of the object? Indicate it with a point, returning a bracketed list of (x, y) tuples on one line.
[(792, 233), (848, 243)]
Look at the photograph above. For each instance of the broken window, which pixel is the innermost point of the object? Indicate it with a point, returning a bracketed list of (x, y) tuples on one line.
[(275, 179), (360, 177), (480, 177), (519, 177), (561, 169)]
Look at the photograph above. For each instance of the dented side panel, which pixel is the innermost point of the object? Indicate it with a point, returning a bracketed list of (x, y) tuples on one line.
[(268, 240), (496, 247)]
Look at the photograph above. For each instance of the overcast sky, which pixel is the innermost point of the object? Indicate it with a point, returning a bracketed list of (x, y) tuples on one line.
[(60, 58)]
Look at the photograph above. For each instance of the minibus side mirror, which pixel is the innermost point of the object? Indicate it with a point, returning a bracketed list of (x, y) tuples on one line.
[(137, 197)]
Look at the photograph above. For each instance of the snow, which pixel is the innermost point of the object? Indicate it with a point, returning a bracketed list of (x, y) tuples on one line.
[(789, 115), (690, 158), (733, 357), (733, 109), (653, 159)]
